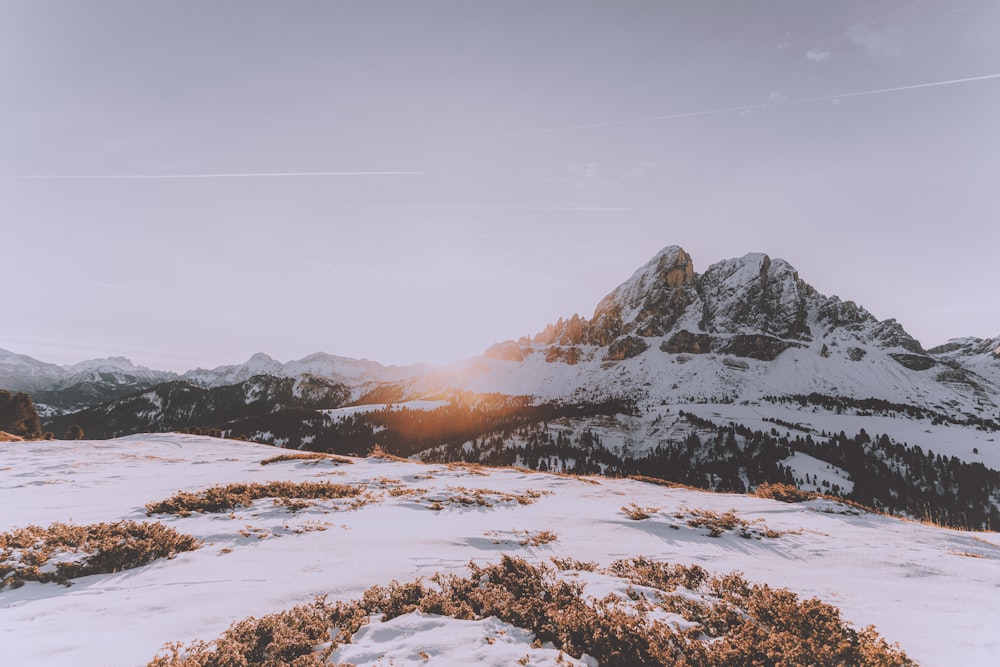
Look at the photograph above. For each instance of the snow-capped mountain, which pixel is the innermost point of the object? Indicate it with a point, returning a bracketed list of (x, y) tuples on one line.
[(745, 328), (320, 364), (19, 372)]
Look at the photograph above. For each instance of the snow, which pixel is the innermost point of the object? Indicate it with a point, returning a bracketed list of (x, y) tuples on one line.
[(918, 584), (401, 640), (807, 468)]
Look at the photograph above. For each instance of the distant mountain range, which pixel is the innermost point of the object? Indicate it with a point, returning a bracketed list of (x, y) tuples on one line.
[(741, 374), (745, 328)]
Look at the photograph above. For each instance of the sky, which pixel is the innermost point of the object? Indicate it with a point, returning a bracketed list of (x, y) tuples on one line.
[(188, 183)]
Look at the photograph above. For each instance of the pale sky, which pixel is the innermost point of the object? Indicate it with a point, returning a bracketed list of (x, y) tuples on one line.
[(482, 168)]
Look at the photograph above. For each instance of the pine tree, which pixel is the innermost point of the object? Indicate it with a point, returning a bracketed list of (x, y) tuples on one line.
[(18, 415)]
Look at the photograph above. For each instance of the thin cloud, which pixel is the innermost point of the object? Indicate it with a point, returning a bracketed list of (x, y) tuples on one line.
[(283, 174), (817, 56), (767, 105)]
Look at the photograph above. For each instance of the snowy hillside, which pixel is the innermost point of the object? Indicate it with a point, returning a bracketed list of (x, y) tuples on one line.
[(933, 590)]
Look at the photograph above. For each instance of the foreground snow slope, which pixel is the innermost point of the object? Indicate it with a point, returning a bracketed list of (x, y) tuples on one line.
[(935, 591)]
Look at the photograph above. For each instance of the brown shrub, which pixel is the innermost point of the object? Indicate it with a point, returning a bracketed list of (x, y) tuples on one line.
[(639, 513), (104, 547), (786, 493), (225, 497), (306, 456), (740, 624)]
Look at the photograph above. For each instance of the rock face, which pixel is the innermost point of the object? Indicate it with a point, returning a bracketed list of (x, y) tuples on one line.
[(754, 294), (752, 306)]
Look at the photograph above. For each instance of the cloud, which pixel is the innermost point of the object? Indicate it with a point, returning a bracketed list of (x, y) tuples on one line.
[(774, 97), (877, 42), (817, 56), (286, 174)]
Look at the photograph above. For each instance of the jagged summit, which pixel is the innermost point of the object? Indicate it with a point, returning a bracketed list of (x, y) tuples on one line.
[(750, 295), (746, 327)]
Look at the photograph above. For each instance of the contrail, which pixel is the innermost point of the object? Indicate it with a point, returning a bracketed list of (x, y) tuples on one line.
[(766, 105), (283, 174), (482, 208)]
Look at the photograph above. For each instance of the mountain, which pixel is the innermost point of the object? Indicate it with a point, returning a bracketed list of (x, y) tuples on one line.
[(60, 389), (19, 372), (744, 329), (320, 364), (723, 380), (180, 405)]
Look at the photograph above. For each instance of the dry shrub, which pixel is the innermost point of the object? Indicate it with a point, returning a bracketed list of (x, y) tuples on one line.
[(380, 452), (464, 496), (525, 538), (662, 482), (536, 538), (225, 497), (471, 468), (306, 456), (62, 552), (284, 639), (571, 564), (786, 493), (639, 513), (719, 523), (716, 523), (645, 572), (740, 624)]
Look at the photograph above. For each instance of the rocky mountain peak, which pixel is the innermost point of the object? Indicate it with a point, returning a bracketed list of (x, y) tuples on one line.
[(754, 293)]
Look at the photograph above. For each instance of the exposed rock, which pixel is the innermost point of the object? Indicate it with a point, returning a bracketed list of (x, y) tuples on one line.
[(566, 355), (915, 362), (754, 293), (626, 347), (685, 342), (856, 353), (738, 364), (842, 314), (650, 302), (754, 346), (957, 376), (891, 334), (505, 351)]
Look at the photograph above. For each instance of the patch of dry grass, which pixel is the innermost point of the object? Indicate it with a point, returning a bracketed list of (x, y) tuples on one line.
[(62, 551), (224, 497), (379, 452), (306, 456), (525, 538), (736, 623), (462, 496), (719, 523), (786, 493), (571, 565), (639, 513)]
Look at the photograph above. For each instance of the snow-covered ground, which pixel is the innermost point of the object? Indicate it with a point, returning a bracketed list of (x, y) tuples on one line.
[(935, 591)]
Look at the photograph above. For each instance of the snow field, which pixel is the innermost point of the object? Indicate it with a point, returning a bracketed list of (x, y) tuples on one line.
[(933, 590)]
